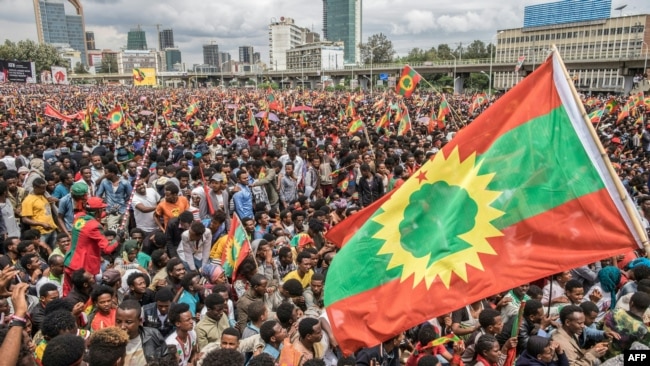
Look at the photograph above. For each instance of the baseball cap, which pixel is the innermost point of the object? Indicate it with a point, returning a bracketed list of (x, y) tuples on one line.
[(217, 177), (95, 203), (111, 276), (79, 189)]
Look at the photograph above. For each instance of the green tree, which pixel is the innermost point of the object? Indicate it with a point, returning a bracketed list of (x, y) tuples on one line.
[(43, 55), (476, 50), (444, 52), (109, 64), (415, 55), (79, 68), (379, 47)]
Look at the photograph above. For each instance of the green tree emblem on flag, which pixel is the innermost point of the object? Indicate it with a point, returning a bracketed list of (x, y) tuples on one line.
[(456, 213)]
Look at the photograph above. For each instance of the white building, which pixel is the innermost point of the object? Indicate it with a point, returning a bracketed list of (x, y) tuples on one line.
[(283, 36), (127, 60), (321, 55)]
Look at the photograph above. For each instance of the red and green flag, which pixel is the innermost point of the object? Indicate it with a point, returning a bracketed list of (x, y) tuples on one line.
[(116, 117), (407, 83), (302, 120), (236, 248), (384, 120), (355, 126), (519, 194), (213, 131), (477, 102)]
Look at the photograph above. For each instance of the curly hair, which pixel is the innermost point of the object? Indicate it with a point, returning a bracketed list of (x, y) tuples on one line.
[(64, 350), (58, 322), (224, 357), (106, 346)]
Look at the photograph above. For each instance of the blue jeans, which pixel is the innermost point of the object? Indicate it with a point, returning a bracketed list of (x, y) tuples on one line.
[(49, 239)]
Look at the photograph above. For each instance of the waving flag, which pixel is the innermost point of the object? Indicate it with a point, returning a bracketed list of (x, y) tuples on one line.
[(355, 126), (213, 131), (524, 186), (236, 248), (191, 111), (407, 83), (116, 117), (405, 123)]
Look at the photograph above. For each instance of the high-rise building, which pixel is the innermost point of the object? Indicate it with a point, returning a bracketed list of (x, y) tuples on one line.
[(283, 36), (224, 57), (136, 39), (566, 11), (55, 27), (211, 54), (172, 57), (257, 57), (166, 37), (246, 54), (90, 41), (342, 22)]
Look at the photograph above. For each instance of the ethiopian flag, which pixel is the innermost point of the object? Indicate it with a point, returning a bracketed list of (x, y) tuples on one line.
[(116, 117), (405, 123), (191, 111), (407, 83), (355, 126), (236, 248), (213, 131), (596, 115), (519, 194)]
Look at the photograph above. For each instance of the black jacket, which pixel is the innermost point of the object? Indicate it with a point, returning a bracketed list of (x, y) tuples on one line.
[(151, 320), (153, 344), (370, 190)]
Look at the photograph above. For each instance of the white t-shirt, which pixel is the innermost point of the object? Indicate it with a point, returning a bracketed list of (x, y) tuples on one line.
[(10, 220), (143, 220), (184, 351)]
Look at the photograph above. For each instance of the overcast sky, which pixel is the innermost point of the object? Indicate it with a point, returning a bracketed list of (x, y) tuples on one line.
[(407, 23)]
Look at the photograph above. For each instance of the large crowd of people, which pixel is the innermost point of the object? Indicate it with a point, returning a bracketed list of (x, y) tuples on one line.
[(114, 228)]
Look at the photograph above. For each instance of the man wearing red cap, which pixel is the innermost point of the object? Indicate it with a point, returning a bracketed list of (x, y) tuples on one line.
[(88, 243)]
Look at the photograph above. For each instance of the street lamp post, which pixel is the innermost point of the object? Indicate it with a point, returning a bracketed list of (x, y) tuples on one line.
[(302, 70), (645, 62), (221, 68), (372, 54), (454, 74), (495, 37)]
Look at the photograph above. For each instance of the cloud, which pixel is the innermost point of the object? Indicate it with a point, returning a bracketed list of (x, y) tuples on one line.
[(407, 23)]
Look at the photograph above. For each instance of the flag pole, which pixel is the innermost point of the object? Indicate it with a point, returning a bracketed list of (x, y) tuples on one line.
[(624, 196)]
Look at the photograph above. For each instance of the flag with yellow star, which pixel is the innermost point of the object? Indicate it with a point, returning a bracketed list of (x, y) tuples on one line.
[(521, 193)]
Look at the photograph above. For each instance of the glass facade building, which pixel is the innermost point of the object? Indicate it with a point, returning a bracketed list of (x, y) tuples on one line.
[(566, 11), (55, 27), (342, 23)]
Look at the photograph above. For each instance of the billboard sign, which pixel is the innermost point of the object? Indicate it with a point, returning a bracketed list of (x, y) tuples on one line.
[(60, 75), (17, 71), (144, 76)]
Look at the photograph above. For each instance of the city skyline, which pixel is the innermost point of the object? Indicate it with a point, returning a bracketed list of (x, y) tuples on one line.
[(407, 24)]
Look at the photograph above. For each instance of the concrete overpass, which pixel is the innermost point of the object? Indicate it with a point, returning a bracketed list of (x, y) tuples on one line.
[(627, 67)]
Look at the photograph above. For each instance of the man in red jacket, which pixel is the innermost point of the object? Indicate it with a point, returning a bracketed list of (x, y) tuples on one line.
[(88, 243)]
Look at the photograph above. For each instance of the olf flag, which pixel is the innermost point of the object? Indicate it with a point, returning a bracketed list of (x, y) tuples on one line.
[(253, 122), (524, 186), (116, 117), (407, 83), (236, 248)]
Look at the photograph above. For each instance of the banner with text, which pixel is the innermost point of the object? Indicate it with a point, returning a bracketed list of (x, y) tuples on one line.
[(17, 71)]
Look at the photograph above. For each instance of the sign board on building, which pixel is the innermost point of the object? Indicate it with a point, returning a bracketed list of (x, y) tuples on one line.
[(145, 76), (383, 76), (380, 83), (59, 75), (17, 71), (354, 83)]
